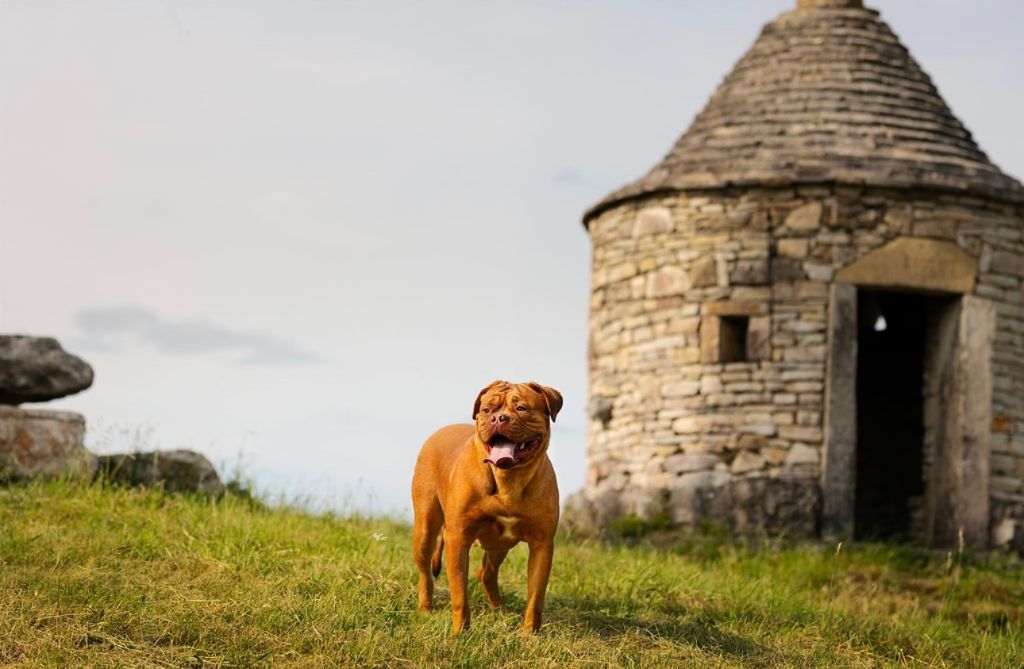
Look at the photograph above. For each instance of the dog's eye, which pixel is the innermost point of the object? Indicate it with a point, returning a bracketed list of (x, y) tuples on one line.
[(486, 410), (521, 407)]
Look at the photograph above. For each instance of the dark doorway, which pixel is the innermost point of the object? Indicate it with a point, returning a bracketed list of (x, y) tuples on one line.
[(891, 341)]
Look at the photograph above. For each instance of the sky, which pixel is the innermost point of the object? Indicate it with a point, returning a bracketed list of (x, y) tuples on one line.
[(299, 236)]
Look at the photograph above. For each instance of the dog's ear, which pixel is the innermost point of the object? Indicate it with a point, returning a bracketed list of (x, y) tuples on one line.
[(480, 396), (552, 398)]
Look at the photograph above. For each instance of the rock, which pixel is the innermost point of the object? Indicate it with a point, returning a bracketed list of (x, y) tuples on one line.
[(590, 516), (704, 273), (1007, 262), (1003, 531), (759, 338), (788, 506), (600, 408), (653, 220), (745, 441), (688, 501), (782, 506), (818, 272), (750, 272), (922, 265), (793, 248), (747, 461), (687, 425), (802, 454), (898, 219), (773, 506), (36, 369), (809, 434), (175, 471), (690, 462), (805, 218), (621, 272), (642, 502), (42, 443), (667, 281), (577, 516), (680, 389), (787, 269)]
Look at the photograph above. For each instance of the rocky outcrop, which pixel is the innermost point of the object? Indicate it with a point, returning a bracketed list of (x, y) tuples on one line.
[(42, 443), (174, 471), (37, 444), (37, 369)]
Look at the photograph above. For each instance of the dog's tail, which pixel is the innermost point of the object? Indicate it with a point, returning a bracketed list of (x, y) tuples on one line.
[(435, 562)]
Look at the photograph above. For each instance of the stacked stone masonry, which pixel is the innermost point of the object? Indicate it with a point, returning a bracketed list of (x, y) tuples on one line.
[(670, 421)]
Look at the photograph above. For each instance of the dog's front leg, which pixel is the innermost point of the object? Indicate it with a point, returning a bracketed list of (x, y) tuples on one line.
[(537, 572), (457, 542)]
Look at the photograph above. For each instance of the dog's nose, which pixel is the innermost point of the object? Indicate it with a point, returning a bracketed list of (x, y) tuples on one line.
[(500, 418)]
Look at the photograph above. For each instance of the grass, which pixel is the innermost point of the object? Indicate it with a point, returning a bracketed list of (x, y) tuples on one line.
[(127, 578)]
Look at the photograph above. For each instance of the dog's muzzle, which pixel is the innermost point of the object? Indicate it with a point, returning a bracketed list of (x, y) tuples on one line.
[(504, 453)]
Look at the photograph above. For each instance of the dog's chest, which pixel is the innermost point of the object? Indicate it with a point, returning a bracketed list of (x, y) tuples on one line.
[(500, 532), (506, 525)]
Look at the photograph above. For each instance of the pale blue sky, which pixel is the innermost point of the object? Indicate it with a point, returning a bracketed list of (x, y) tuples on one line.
[(311, 231)]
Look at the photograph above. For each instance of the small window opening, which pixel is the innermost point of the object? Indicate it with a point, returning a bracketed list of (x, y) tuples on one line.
[(732, 339)]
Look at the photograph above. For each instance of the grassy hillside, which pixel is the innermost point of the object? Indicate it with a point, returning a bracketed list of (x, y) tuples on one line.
[(92, 577)]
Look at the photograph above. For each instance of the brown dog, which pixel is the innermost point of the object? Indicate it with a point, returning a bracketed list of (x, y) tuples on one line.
[(493, 484)]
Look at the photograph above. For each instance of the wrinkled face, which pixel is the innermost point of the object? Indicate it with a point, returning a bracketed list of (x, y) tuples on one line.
[(512, 421)]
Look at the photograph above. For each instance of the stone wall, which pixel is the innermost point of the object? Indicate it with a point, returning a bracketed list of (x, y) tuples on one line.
[(672, 424)]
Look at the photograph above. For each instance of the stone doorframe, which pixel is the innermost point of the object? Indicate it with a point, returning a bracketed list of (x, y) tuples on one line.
[(957, 492)]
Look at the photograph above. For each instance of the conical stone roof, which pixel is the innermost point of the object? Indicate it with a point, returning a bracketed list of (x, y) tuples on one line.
[(827, 93)]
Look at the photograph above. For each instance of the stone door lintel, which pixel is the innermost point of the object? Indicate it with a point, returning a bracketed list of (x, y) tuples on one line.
[(910, 263)]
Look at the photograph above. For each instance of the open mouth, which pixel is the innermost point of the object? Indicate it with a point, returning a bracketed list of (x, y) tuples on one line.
[(504, 453)]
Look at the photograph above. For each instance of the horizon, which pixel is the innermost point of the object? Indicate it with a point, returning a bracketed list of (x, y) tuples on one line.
[(264, 227)]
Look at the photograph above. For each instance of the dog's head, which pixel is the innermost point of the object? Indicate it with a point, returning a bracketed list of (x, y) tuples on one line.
[(512, 421)]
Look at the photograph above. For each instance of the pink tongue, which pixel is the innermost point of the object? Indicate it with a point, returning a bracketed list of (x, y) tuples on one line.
[(501, 451)]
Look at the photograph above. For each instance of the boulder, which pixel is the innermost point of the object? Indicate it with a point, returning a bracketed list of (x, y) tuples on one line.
[(780, 506), (750, 507), (42, 444), (588, 516), (37, 369), (578, 515), (174, 471)]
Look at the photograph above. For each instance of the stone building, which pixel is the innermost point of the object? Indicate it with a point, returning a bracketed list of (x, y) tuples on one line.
[(808, 317)]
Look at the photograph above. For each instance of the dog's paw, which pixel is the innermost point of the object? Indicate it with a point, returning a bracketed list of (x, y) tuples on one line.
[(531, 626)]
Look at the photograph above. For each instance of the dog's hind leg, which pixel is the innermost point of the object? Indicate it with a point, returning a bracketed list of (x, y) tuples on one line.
[(435, 561), (488, 576), (425, 536)]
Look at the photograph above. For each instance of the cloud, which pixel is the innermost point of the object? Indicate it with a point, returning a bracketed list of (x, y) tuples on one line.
[(569, 176), (105, 328)]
